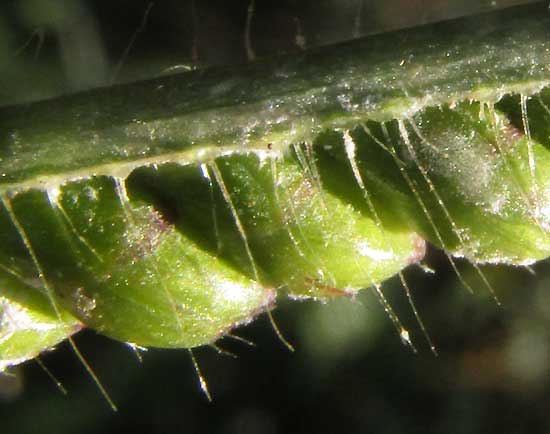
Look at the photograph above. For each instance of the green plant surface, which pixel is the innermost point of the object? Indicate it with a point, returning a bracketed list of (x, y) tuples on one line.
[(282, 100), (167, 212), (28, 323)]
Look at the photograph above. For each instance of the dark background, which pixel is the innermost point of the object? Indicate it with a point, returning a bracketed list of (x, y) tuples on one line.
[(350, 372)]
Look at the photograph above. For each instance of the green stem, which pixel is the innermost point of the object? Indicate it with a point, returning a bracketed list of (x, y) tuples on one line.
[(197, 116)]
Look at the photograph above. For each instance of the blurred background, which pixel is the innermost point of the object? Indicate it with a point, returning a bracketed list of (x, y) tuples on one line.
[(350, 371)]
